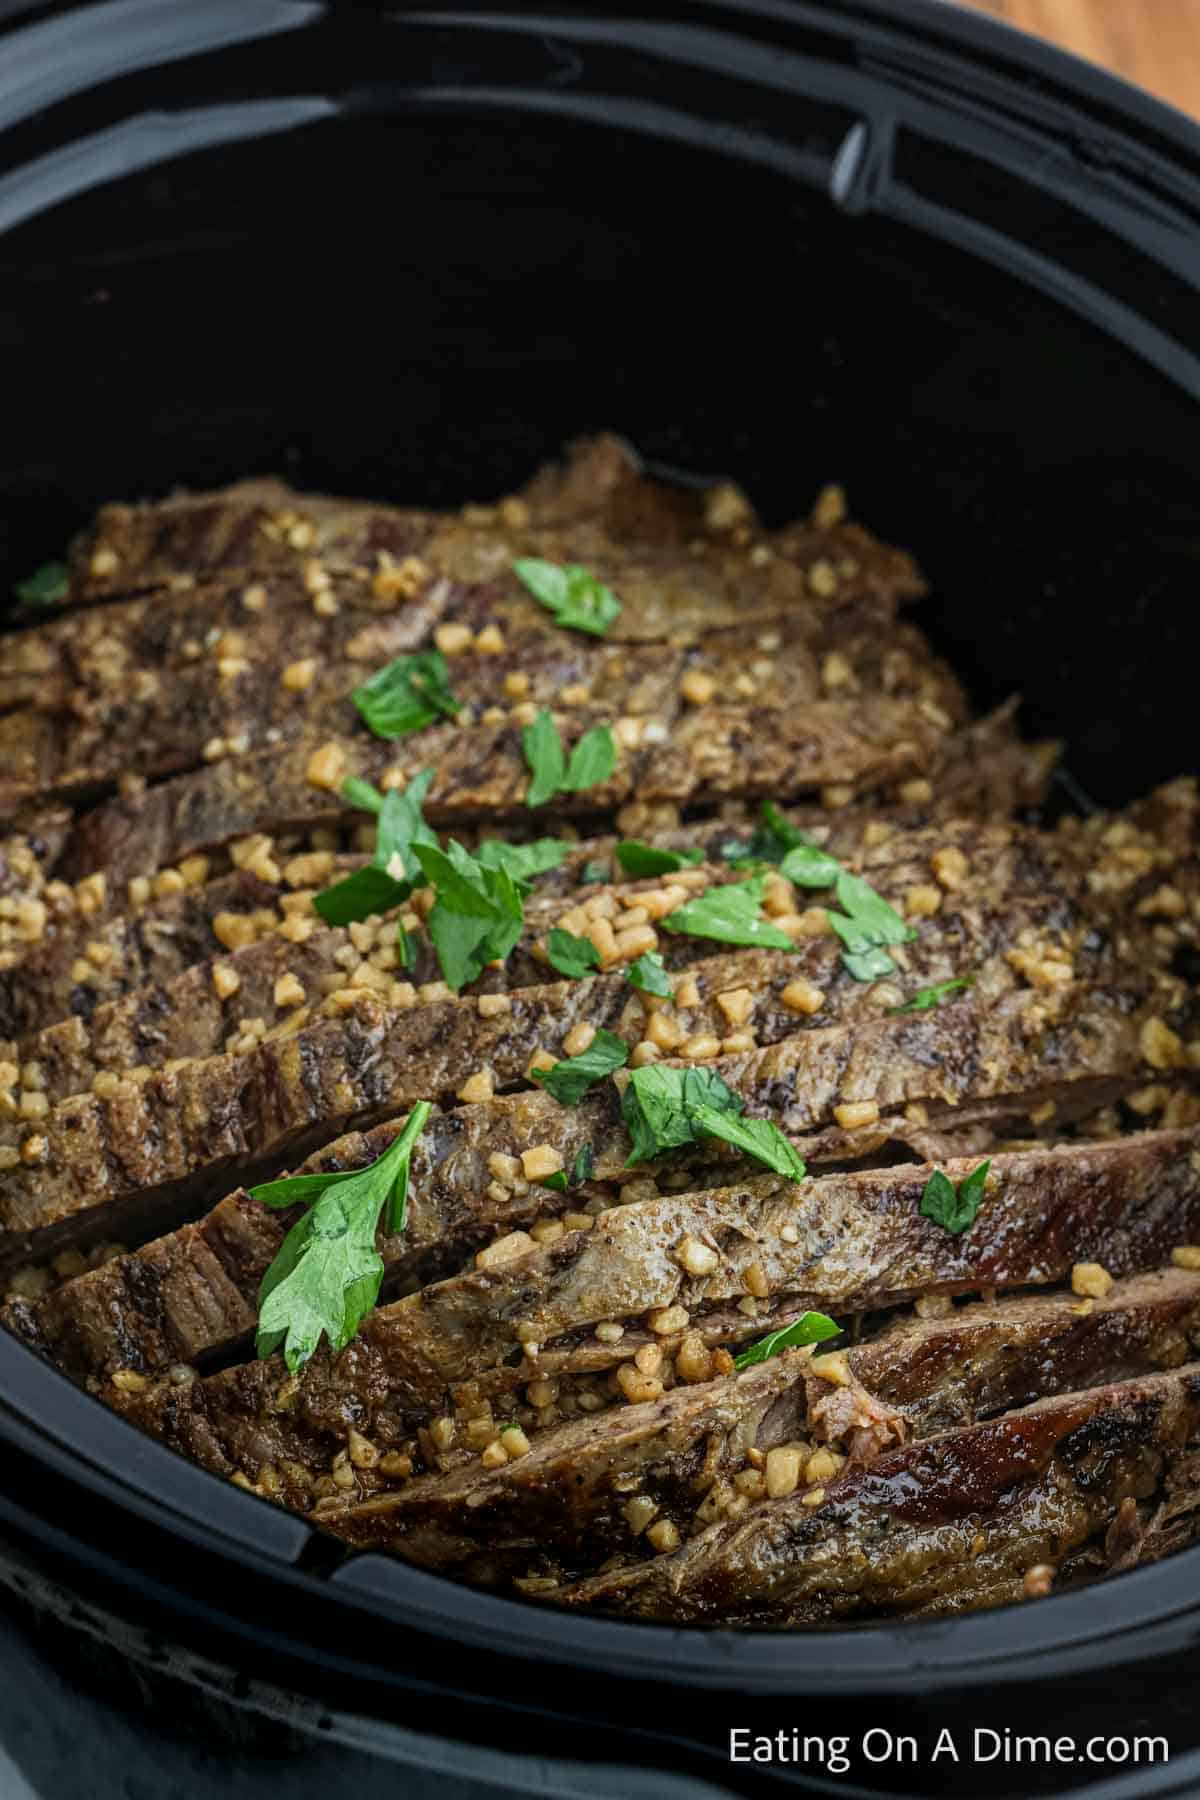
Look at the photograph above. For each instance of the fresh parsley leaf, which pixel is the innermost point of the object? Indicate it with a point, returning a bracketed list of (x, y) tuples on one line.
[(552, 772), (406, 954), (954, 1208), (591, 761), (570, 1079), (637, 858), (731, 915), (658, 1105), (572, 593), (477, 913), (775, 835), (598, 870), (407, 695), (546, 759), (570, 955), (523, 861), (649, 974), (50, 583), (809, 1328), (810, 867), (867, 925), (393, 872), (327, 1274), (360, 793), (759, 1138), (926, 998), (580, 1171)]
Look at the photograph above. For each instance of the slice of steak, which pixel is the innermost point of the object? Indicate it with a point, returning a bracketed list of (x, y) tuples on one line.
[(84, 959), (1011, 885), (588, 1487), (139, 1155), (245, 694), (481, 772), (87, 660), (164, 1304), (939, 1526), (842, 1244)]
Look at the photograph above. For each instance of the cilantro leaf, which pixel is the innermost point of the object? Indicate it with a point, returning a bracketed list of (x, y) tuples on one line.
[(407, 695), (955, 1209), (406, 954), (649, 974), (546, 759), (926, 998), (591, 761), (581, 1171), (46, 586), (393, 872), (809, 1328), (327, 1274), (572, 593), (569, 1080), (599, 870), (759, 1138), (731, 915), (658, 1104), (570, 955), (477, 913), (637, 858)]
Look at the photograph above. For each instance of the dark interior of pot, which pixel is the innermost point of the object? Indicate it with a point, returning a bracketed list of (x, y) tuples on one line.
[(306, 259)]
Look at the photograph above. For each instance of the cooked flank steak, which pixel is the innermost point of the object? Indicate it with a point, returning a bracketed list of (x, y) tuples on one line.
[(553, 1042)]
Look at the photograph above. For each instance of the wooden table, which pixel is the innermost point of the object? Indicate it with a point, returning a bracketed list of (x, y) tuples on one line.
[(1153, 42)]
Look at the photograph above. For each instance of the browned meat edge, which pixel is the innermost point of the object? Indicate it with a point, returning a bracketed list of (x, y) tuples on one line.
[(853, 1243), (938, 1526), (563, 1504)]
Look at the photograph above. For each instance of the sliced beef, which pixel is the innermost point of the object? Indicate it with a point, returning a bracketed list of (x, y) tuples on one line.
[(481, 773), (580, 1494), (145, 1150), (1012, 885), (843, 1244), (935, 1527), (83, 960)]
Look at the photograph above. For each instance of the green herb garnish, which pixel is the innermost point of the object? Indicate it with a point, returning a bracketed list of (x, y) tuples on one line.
[(572, 593), (649, 974), (599, 870), (637, 858), (581, 1171), (477, 913), (570, 955), (552, 772), (50, 583), (809, 866), (809, 1328), (406, 954), (775, 835), (866, 926), (731, 915), (327, 1275), (523, 861), (954, 1208), (758, 1138), (665, 1108), (364, 794), (926, 998), (569, 1080), (394, 871), (407, 695)]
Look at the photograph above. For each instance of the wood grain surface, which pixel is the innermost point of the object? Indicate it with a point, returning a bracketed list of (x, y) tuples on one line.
[(1153, 42)]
